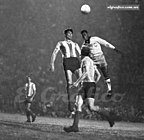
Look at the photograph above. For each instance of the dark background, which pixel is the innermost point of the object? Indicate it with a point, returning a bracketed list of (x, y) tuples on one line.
[(30, 29)]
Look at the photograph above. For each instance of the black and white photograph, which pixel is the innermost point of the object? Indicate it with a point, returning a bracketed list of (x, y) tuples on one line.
[(71, 70)]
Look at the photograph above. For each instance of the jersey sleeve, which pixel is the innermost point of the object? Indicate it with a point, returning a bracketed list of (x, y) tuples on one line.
[(57, 48), (104, 42), (100, 41)]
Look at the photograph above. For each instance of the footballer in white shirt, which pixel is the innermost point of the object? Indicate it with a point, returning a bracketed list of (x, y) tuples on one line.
[(96, 54)]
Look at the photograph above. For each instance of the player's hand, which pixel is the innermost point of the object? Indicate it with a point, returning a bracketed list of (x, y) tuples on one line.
[(71, 86), (118, 51), (75, 84), (52, 68)]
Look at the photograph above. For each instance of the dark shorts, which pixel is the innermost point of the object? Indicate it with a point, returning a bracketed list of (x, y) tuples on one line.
[(71, 63), (88, 90), (27, 101), (101, 64)]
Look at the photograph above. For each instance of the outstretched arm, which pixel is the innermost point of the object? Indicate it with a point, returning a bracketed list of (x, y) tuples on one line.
[(104, 43), (53, 57), (107, 44)]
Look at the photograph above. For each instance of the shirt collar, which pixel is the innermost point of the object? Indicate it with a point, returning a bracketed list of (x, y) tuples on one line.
[(68, 41), (87, 41)]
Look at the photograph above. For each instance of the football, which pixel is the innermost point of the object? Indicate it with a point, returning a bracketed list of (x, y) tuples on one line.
[(85, 9)]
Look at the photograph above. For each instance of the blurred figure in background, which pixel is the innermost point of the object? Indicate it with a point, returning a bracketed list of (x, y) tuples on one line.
[(30, 92)]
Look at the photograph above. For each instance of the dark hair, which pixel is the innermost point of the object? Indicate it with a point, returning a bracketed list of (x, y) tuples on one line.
[(84, 31), (85, 51), (68, 29)]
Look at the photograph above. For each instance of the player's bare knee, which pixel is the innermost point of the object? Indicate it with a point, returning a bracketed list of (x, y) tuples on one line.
[(79, 108), (93, 108), (79, 103), (27, 109)]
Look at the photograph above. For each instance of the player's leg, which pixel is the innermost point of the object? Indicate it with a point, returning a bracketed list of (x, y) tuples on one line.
[(27, 106), (103, 112), (90, 94), (68, 75), (33, 115), (104, 70), (76, 67), (74, 127), (78, 74), (91, 105), (79, 103), (101, 63), (29, 112), (91, 90)]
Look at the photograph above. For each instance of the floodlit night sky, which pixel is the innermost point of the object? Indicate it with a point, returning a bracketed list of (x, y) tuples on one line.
[(30, 29)]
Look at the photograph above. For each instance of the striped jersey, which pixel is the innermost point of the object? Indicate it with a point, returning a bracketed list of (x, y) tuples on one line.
[(30, 88), (68, 48)]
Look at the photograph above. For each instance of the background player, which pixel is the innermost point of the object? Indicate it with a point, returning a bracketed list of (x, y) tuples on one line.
[(87, 90), (71, 63), (30, 91), (96, 54)]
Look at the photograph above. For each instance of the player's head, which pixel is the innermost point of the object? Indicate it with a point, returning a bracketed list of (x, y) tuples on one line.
[(85, 51), (68, 33), (85, 34), (28, 78), (84, 31)]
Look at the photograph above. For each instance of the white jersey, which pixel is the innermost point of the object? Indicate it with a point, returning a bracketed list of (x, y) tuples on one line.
[(30, 88), (95, 46), (68, 48), (88, 65)]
